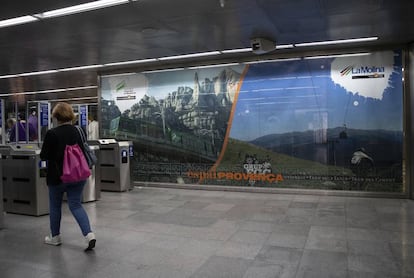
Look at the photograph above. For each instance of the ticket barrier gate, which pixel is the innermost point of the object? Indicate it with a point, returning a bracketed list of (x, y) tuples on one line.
[(24, 180), (92, 189), (113, 171)]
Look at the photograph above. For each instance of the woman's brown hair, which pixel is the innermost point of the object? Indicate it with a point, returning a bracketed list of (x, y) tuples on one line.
[(63, 112)]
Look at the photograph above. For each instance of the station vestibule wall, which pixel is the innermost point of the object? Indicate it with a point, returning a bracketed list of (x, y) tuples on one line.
[(323, 123), (410, 119)]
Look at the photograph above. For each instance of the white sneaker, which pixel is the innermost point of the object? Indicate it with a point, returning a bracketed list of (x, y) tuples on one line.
[(91, 240), (55, 240)]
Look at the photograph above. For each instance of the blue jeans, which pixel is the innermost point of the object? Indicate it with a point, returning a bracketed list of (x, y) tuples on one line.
[(74, 194)]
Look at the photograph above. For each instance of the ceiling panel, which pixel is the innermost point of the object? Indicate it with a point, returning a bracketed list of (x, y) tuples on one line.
[(156, 28), (15, 8)]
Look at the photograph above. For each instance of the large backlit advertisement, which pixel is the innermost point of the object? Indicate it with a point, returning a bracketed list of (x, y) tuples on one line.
[(324, 122)]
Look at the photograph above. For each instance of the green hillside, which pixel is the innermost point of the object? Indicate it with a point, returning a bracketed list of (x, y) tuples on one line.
[(236, 151)]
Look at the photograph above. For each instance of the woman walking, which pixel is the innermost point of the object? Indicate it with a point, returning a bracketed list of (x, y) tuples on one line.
[(52, 151)]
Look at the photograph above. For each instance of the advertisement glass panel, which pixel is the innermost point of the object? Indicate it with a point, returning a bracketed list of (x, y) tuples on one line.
[(326, 123)]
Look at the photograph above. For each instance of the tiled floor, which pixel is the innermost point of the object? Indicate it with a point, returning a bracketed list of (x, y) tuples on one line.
[(177, 233)]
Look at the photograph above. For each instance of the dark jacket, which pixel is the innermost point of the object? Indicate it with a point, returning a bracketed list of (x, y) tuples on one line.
[(53, 150)]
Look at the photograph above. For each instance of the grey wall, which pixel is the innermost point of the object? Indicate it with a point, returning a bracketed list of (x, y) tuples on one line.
[(409, 79)]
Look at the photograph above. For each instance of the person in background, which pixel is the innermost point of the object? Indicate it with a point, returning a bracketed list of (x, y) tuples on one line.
[(9, 126), (52, 151), (93, 128), (21, 131), (33, 123), (21, 126)]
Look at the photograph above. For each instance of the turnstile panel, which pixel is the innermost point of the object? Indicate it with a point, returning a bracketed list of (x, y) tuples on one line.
[(24, 183), (113, 169)]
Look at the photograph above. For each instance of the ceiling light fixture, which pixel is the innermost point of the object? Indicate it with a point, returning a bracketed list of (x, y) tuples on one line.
[(237, 50), (336, 56), (162, 70), (69, 99), (17, 21), (214, 66), (336, 41), (274, 60), (119, 74), (284, 46), (81, 88), (81, 68), (81, 8), (131, 62), (8, 76), (62, 12), (36, 73), (52, 91), (193, 55)]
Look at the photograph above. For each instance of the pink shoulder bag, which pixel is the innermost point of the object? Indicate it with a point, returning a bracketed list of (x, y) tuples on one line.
[(75, 168)]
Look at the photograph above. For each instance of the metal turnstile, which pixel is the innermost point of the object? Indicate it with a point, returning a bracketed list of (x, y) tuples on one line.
[(113, 169), (92, 189), (24, 180)]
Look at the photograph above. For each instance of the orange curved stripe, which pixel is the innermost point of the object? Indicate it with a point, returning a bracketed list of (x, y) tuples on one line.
[(230, 121)]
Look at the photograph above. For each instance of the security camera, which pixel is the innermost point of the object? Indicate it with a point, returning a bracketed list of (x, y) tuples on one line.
[(261, 45)]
